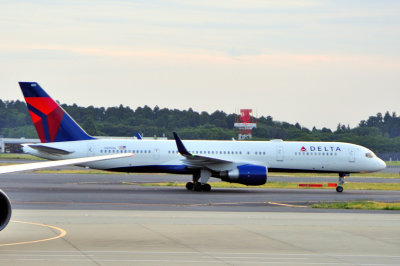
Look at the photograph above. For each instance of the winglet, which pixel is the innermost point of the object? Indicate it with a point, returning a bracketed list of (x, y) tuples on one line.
[(138, 136), (181, 148)]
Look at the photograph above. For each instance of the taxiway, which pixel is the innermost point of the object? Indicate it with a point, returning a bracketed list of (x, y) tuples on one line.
[(113, 219)]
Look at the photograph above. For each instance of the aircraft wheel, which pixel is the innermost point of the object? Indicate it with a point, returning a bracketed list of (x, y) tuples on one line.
[(197, 186), (189, 185), (206, 187), (339, 189)]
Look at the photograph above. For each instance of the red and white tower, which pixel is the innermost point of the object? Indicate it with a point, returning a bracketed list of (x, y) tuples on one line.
[(245, 123)]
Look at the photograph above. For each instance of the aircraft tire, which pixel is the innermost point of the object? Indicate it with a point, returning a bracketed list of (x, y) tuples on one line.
[(206, 187), (197, 186), (339, 189), (189, 185)]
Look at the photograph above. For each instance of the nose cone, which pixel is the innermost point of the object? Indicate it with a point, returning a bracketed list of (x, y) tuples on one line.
[(381, 164)]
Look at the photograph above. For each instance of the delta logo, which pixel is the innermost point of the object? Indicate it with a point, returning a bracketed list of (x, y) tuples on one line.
[(322, 148)]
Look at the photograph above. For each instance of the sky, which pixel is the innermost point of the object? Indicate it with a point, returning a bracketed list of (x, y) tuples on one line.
[(318, 63)]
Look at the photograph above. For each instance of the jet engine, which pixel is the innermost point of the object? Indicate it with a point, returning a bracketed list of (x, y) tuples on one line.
[(5, 210), (247, 174)]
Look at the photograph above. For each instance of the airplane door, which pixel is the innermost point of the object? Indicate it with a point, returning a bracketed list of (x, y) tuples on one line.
[(279, 153), (156, 153), (90, 150), (352, 156)]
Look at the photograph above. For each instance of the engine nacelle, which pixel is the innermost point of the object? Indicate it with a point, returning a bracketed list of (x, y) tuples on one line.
[(247, 174), (5, 210)]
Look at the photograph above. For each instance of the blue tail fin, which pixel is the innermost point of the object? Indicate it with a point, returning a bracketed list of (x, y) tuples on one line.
[(52, 123)]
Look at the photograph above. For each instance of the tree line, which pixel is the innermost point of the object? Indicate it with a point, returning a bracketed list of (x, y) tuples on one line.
[(381, 132)]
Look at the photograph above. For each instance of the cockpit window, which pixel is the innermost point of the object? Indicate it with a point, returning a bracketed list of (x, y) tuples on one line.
[(369, 155)]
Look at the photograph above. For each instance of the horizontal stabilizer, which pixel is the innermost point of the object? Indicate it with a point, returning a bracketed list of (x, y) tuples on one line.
[(48, 164), (51, 150)]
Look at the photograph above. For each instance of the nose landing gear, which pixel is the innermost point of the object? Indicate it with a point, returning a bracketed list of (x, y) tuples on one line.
[(339, 187)]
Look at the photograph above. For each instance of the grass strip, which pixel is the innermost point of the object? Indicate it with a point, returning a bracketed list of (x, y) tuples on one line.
[(327, 175), (31, 157), (286, 185), (319, 175), (21, 156), (294, 175), (77, 171), (359, 205), (393, 163)]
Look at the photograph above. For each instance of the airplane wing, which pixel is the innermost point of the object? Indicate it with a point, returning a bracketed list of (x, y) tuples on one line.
[(196, 160), (47, 164)]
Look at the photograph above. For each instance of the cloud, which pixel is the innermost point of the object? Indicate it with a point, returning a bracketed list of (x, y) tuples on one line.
[(276, 59)]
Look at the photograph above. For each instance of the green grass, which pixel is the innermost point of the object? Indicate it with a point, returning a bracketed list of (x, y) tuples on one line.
[(359, 205), (77, 171), (18, 156), (372, 186), (393, 163), (323, 175), (286, 185), (318, 175), (288, 175)]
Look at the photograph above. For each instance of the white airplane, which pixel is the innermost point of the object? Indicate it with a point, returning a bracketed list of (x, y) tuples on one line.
[(246, 162)]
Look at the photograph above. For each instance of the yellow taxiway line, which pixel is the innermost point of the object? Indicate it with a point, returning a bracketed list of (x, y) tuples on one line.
[(61, 231)]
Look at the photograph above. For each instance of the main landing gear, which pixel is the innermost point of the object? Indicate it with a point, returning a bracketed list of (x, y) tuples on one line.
[(200, 181), (198, 186), (339, 187)]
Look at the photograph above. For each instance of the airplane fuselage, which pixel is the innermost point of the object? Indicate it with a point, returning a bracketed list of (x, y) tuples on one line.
[(277, 155)]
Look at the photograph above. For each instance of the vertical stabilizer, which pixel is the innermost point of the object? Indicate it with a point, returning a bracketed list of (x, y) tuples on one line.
[(52, 123)]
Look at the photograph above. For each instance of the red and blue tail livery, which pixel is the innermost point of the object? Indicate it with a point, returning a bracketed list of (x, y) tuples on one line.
[(52, 123)]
